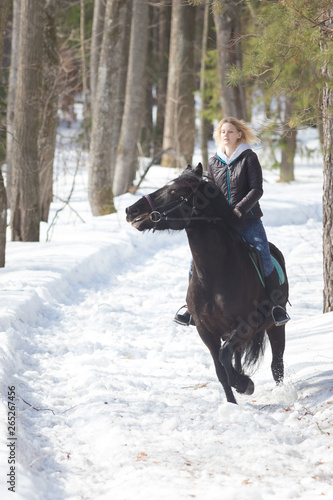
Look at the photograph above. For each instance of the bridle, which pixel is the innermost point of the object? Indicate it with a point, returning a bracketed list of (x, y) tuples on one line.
[(163, 212)]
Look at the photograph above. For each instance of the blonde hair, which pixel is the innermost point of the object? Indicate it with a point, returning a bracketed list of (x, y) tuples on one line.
[(248, 135)]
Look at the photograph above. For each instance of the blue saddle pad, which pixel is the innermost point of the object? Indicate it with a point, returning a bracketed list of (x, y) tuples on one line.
[(279, 269), (255, 257)]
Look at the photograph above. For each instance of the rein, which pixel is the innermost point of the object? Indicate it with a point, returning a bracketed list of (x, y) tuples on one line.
[(161, 213), (156, 216)]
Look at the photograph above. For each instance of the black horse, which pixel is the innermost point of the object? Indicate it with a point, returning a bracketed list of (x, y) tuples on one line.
[(226, 296)]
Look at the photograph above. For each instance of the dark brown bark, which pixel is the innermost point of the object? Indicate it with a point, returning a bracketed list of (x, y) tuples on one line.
[(147, 117), (162, 60), (49, 108), (204, 124)]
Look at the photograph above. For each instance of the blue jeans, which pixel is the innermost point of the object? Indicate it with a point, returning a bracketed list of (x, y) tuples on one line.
[(254, 233)]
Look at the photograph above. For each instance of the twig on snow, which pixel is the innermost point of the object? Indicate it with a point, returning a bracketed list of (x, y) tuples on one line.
[(66, 204)]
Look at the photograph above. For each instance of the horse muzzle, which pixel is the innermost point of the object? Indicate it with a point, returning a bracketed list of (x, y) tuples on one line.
[(131, 213), (138, 219)]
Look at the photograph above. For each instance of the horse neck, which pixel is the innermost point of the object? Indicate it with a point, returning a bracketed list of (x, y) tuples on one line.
[(210, 244)]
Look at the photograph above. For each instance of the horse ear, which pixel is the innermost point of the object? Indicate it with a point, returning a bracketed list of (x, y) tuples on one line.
[(189, 167), (198, 170)]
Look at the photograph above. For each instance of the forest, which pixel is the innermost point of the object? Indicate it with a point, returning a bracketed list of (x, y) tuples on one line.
[(153, 78)]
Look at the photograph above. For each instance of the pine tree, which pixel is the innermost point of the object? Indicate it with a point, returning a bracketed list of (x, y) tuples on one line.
[(290, 51)]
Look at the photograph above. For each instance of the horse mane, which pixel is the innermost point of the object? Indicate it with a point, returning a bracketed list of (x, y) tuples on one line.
[(217, 201)]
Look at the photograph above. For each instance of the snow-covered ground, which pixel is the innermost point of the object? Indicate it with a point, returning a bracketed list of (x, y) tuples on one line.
[(115, 401)]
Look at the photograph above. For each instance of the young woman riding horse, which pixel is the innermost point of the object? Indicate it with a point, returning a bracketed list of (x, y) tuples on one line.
[(236, 170), (226, 294)]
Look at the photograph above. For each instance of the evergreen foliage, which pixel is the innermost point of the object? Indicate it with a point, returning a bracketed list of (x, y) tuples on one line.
[(69, 22), (282, 55), (212, 93)]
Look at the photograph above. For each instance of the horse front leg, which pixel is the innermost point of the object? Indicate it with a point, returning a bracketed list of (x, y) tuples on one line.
[(222, 376), (212, 341), (241, 382), (277, 339)]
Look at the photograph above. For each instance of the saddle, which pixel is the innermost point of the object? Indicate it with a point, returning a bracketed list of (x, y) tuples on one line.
[(257, 262)]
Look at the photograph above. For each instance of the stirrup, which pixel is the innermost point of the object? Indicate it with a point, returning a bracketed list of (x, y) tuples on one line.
[(184, 319), (279, 315)]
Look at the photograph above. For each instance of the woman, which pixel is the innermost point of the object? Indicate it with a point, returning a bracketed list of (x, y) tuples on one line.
[(236, 170)]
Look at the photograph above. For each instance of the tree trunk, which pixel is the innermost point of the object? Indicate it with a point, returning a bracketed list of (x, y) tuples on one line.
[(227, 18), (4, 10), (96, 45), (3, 221), (14, 56), (203, 122), (110, 74), (25, 204), (146, 136), (49, 110), (179, 125), (288, 144), (84, 76), (127, 154), (328, 167), (120, 90), (162, 68)]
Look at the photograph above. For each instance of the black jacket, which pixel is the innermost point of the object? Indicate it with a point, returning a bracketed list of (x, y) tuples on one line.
[(240, 182)]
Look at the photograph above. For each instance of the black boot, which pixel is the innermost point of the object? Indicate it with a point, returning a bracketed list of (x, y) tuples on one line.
[(184, 319), (276, 298)]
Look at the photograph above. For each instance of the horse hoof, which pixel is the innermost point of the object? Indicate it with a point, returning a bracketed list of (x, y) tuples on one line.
[(250, 388), (247, 386)]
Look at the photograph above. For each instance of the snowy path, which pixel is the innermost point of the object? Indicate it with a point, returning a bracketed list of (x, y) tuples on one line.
[(130, 406), (121, 403)]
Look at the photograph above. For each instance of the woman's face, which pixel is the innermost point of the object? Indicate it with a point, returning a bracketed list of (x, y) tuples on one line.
[(230, 135)]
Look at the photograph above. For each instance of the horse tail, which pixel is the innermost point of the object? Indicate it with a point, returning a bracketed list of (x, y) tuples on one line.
[(254, 350)]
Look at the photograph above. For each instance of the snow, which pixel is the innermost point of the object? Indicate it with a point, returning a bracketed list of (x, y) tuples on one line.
[(114, 400)]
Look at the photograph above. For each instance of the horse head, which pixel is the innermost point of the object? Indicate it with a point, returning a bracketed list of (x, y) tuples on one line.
[(174, 205)]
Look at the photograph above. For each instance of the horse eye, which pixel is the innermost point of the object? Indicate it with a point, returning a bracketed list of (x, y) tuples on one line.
[(173, 191)]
